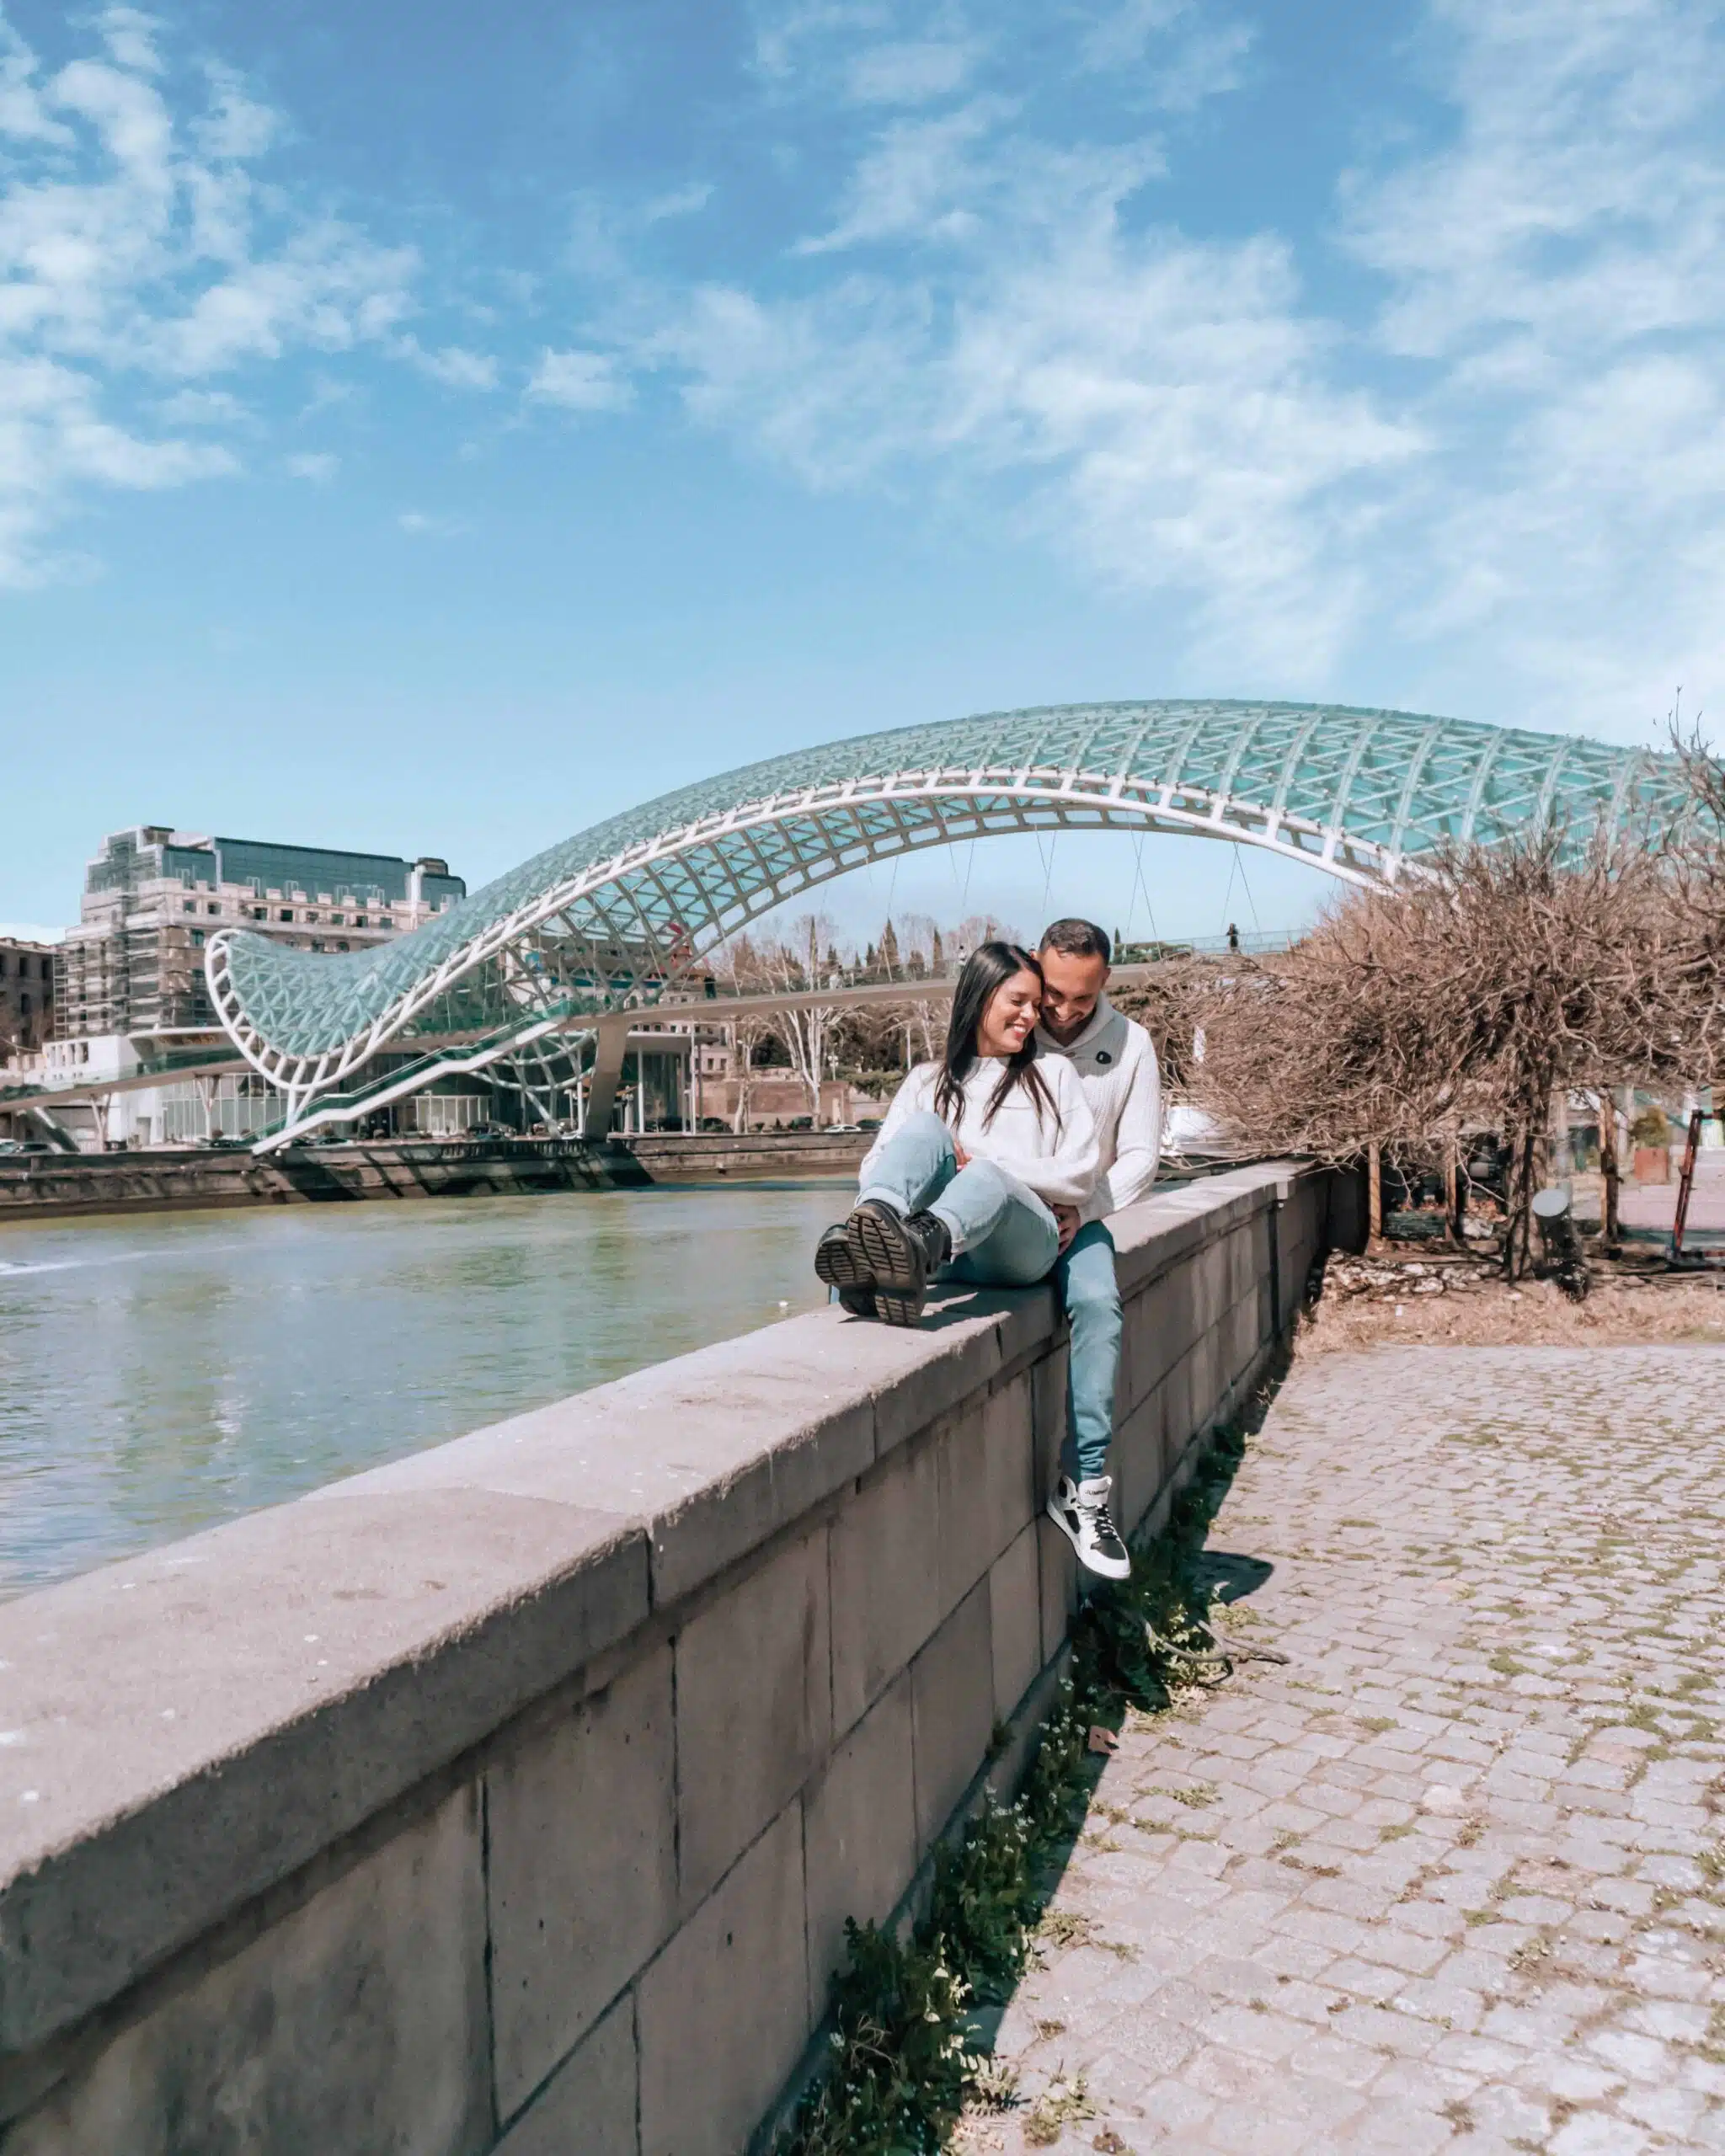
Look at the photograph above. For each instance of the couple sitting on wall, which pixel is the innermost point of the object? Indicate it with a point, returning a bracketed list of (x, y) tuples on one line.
[(997, 1165)]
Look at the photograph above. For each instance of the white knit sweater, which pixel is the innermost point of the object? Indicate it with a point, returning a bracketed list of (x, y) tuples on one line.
[(1056, 1158), (1116, 1063)]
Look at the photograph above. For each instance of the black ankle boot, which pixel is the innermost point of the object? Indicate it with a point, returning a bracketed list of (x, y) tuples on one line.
[(934, 1237), (901, 1256)]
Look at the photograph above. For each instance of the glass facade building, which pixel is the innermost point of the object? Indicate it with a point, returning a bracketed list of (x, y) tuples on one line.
[(153, 896)]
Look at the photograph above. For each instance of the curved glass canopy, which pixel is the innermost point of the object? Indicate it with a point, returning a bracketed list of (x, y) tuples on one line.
[(626, 905)]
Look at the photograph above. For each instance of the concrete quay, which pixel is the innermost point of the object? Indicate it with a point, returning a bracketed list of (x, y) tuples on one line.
[(1452, 1879), (60, 1186), (512, 1797)]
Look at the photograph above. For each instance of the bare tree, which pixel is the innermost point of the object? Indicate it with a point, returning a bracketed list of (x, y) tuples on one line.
[(794, 965), (1463, 999), (1697, 850), (1171, 1006), (740, 964)]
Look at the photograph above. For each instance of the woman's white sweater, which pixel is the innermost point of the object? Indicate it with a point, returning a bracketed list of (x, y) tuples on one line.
[(1055, 1156)]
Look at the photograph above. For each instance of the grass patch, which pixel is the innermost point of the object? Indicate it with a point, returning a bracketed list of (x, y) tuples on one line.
[(902, 2069)]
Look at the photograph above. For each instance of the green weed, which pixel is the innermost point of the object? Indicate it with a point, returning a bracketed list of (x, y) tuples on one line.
[(900, 2071)]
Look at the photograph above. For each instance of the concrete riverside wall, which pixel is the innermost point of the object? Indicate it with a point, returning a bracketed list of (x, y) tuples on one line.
[(512, 1797), (54, 1186), (50, 1186)]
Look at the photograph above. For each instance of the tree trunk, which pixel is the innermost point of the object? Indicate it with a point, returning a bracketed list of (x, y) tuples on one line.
[(1453, 1189), (1608, 1164), (1523, 1172), (1375, 1191)]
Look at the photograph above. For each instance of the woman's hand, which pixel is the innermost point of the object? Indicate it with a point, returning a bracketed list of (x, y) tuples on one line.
[(959, 1155), (1066, 1221)]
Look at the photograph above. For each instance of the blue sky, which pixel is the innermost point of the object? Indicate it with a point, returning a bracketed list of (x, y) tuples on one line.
[(434, 428)]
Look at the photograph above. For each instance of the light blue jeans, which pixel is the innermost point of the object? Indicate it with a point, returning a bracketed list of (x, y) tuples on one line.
[(1004, 1236), (1085, 1275)]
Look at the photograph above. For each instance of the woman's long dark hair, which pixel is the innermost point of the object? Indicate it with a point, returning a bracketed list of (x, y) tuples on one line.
[(988, 968)]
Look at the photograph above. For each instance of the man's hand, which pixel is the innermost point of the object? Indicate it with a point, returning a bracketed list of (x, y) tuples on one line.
[(1066, 1221)]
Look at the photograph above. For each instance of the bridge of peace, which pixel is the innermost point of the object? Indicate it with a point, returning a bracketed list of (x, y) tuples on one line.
[(515, 1796)]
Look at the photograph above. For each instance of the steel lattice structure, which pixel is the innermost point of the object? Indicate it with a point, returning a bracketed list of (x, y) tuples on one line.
[(632, 902)]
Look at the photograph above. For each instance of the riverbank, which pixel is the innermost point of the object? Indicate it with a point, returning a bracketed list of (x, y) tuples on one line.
[(60, 1186)]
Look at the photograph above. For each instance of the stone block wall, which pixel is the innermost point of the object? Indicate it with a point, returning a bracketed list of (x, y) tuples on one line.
[(513, 1797)]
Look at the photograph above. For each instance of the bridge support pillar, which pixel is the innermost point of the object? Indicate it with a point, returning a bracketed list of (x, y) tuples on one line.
[(611, 1045)]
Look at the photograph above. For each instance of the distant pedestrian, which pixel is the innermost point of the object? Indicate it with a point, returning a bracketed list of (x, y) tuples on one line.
[(1233, 937)]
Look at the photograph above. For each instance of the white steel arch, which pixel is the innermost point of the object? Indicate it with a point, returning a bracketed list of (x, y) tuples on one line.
[(618, 911)]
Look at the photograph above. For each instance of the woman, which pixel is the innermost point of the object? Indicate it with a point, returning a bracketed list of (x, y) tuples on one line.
[(975, 1150)]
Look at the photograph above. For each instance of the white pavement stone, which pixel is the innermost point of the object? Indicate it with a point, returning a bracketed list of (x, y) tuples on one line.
[(1457, 1885)]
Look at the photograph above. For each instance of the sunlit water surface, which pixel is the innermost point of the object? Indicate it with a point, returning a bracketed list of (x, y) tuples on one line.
[(163, 1372)]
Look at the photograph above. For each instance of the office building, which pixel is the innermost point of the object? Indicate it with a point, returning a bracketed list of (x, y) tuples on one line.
[(132, 986), (134, 965), (28, 996)]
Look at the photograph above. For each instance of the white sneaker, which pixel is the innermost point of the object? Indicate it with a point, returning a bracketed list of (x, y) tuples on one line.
[(1080, 1512)]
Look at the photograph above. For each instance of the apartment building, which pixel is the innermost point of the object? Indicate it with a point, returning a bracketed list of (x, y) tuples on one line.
[(153, 896), (28, 996)]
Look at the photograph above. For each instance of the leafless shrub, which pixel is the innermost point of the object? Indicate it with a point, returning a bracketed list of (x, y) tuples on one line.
[(1171, 1005), (1696, 849), (1461, 999)]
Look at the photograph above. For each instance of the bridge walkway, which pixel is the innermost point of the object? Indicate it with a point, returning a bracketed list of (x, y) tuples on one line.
[(1453, 1878)]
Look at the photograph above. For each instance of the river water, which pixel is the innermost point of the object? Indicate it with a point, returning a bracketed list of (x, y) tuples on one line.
[(159, 1373)]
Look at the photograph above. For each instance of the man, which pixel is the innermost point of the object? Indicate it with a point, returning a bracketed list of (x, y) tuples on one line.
[(1116, 1063)]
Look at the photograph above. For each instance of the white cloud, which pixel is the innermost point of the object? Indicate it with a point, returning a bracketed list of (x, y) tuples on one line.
[(1122, 34), (453, 366), (204, 407), (320, 465), (681, 202), (25, 116), (912, 72), (137, 244), (1169, 54), (418, 524), (1165, 404), (921, 180), (785, 35), (580, 381), (1501, 479), (1556, 266), (236, 127), (1166, 413)]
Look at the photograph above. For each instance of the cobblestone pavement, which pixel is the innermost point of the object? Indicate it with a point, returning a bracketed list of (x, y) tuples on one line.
[(1455, 1878)]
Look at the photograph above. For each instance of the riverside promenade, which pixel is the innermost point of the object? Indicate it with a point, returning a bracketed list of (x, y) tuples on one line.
[(1453, 1878)]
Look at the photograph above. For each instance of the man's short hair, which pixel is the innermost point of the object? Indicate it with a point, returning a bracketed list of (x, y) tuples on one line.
[(1077, 939)]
